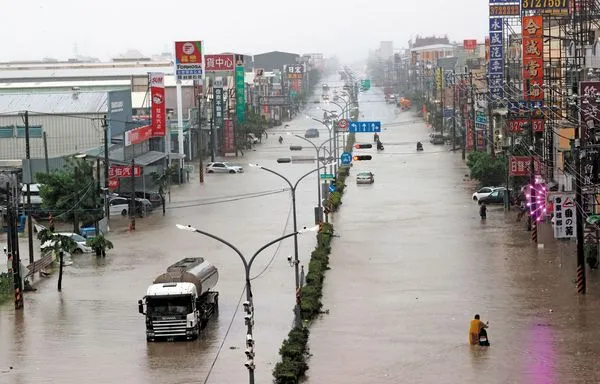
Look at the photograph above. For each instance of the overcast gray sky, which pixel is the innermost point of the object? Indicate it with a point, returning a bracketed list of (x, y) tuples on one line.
[(33, 29)]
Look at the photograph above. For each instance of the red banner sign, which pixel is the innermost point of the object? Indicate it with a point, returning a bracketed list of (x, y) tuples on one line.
[(188, 52), (516, 125), (470, 44), (228, 137), (157, 95), (138, 135), (219, 63), (113, 183), (519, 166), (533, 58), (116, 171)]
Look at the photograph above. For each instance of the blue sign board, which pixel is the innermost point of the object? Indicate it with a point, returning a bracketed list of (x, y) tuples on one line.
[(364, 126), (346, 158), (332, 188), (496, 63)]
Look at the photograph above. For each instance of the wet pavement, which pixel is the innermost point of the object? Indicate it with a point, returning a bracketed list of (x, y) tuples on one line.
[(413, 264), (92, 331)]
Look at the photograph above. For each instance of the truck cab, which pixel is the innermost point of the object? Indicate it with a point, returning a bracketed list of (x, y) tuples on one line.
[(179, 303)]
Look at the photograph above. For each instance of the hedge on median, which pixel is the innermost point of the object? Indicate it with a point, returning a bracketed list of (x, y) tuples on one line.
[(294, 350)]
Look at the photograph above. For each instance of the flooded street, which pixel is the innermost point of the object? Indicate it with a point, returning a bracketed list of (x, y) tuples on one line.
[(413, 264), (92, 331)]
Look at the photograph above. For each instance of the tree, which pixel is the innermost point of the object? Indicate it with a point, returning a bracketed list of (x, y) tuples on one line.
[(163, 182), (57, 244), (70, 194), (488, 170)]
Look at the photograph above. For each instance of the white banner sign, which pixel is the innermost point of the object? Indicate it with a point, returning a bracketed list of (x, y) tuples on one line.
[(564, 215)]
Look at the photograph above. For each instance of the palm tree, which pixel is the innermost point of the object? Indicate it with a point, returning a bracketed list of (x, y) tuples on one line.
[(57, 244)]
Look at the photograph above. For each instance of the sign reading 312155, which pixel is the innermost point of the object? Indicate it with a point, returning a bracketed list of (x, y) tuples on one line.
[(544, 4)]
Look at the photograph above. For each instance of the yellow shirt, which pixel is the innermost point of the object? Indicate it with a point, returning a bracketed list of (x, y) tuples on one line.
[(474, 329)]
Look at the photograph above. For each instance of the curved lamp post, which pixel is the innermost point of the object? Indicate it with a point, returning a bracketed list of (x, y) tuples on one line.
[(248, 304), (293, 187)]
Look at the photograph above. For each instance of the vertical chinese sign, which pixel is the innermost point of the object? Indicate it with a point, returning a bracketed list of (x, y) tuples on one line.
[(294, 75), (589, 106), (533, 59), (218, 106), (240, 95), (158, 111), (496, 62), (188, 60), (228, 137)]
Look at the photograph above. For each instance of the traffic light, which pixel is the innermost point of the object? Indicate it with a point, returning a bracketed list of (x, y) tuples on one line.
[(362, 157), (363, 146)]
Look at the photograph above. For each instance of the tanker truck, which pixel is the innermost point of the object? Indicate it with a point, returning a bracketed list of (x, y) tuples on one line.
[(179, 302)]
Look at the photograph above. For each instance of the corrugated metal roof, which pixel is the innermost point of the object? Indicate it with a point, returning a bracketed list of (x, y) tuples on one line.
[(66, 73), (66, 84), (65, 102)]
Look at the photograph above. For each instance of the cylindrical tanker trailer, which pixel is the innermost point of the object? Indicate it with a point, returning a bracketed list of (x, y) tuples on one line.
[(180, 301)]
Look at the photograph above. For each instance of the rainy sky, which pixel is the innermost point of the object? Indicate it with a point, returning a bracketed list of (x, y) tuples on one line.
[(60, 29)]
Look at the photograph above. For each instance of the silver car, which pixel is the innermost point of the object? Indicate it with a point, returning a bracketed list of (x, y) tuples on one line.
[(223, 167), (365, 177)]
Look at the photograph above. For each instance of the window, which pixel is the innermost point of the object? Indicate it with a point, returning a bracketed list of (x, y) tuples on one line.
[(7, 131), (35, 131), (494, 194)]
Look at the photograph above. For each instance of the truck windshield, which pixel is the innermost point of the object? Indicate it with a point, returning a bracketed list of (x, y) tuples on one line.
[(169, 305)]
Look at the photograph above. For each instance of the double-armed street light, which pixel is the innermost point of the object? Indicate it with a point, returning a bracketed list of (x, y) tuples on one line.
[(293, 187), (248, 304)]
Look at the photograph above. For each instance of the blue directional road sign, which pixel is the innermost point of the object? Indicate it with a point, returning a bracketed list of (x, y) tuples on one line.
[(364, 126), (346, 157), (332, 188)]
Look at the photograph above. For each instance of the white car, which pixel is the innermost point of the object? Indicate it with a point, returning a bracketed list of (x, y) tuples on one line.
[(119, 206), (223, 167), (82, 246), (365, 177), (483, 192)]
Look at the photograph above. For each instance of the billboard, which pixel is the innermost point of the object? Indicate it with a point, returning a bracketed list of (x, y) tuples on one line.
[(240, 95), (516, 125), (496, 58), (520, 165), (533, 58), (565, 218), (188, 60), (119, 112), (294, 71), (138, 135), (470, 44), (157, 95), (228, 137), (214, 63)]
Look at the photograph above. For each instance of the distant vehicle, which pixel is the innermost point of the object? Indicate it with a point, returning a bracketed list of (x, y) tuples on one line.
[(496, 197), (365, 177), (180, 302), (325, 96), (153, 197), (223, 167), (325, 87), (436, 138), (482, 192), (82, 246), (311, 133), (253, 139), (391, 99), (119, 206)]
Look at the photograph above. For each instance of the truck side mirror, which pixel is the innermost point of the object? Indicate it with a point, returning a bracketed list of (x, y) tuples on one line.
[(141, 307)]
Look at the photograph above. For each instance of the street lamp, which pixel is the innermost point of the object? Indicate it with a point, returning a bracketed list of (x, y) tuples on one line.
[(296, 260), (318, 150), (248, 304)]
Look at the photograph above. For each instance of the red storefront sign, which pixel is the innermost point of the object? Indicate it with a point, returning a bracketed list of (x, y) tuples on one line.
[(113, 183), (138, 135), (533, 58), (157, 95), (470, 44), (519, 166), (188, 52), (228, 136), (213, 63), (116, 171), (516, 125)]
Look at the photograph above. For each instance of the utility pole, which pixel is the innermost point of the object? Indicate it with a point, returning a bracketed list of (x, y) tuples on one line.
[(490, 122), (579, 206), (28, 157), (99, 192), (13, 248), (106, 166), (453, 111), (442, 94), (472, 117), (45, 139), (462, 119), (132, 209), (212, 139), (200, 149), (532, 191)]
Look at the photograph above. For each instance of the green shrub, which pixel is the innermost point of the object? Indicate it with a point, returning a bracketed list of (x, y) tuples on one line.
[(6, 287)]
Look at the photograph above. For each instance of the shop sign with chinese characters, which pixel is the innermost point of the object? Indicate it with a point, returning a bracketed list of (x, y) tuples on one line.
[(240, 95), (519, 166), (218, 106), (215, 63), (228, 137), (533, 59), (116, 171), (157, 96), (516, 125), (496, 58), (188, 60), (294, 71), (565, 219)]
